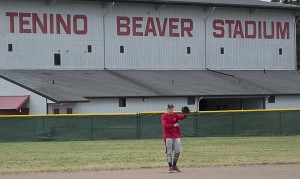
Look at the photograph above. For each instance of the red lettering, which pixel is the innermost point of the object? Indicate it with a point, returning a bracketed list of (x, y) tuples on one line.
[(162, 30), (259, 30), (36, 21), (173, 26), (150, 27), (219, 28), (229, 23), (23, 22), (76, 30), (154, 26), (247, 27), (136, 26), (188, 29), (45, 23), (51, 24), (251, 29), (12, 16), (61, 22), (121, 26), (283, 32), (238, 29), (266, 35)]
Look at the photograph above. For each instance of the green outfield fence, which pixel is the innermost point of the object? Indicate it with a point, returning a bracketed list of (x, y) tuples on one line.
[(147, 125)]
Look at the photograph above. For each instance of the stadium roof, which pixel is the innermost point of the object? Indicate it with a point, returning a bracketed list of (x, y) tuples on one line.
[(216, 3), (80, 85)]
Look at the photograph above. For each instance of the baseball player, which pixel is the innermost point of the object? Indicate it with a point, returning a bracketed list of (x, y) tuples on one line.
[(172, 136)]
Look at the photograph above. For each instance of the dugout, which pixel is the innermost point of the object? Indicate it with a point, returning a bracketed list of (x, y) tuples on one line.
[(232, 103)]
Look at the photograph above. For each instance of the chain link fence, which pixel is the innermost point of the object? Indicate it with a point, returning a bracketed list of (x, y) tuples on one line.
[(147, 126)]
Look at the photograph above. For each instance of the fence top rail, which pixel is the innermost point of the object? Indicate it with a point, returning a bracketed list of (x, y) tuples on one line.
[(146, 113), (67, 115), (229, 111), (249, 111)]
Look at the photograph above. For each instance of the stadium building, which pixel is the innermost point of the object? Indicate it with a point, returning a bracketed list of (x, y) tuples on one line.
[(68, 56)]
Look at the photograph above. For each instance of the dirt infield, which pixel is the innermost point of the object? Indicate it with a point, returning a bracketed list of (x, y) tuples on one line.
[(232, 172)]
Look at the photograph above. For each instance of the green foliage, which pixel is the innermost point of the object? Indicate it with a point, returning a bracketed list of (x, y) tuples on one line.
[(287, 1)]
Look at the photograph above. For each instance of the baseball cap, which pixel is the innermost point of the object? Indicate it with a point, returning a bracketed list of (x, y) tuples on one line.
[(170, 106)]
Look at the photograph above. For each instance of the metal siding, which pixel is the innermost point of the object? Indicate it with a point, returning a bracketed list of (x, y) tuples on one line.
[(283, 102), (62, 108), (250, 53), (36, 51), (154, 52), (36, 103), (31, 51), (133, 105)]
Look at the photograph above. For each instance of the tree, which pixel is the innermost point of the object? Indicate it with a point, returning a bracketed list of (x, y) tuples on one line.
[(286, 1)]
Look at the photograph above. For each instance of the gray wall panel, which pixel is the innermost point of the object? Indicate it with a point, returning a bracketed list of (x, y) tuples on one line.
[(242, 53), (157, 52)]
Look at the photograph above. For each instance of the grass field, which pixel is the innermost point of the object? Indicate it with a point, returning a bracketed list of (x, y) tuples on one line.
[(124, 154)]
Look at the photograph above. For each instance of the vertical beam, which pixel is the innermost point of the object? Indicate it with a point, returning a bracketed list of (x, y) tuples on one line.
[(210, 11), (241, 104), (295, 39), (280, 122), (196, 120), (91, 128), (108, 6), (138, 125), (233, 123)]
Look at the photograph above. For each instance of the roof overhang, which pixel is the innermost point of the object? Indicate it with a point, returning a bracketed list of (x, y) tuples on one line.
[(254, 4), (74, 86), (12, 102)]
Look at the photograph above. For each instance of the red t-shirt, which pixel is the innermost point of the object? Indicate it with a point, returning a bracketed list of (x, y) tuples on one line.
[(168, 121)]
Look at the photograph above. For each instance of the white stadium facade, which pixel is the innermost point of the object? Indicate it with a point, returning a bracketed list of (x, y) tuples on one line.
[(81, 57)]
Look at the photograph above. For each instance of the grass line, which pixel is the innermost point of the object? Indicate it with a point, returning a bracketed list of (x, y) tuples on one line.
[(125, 154)]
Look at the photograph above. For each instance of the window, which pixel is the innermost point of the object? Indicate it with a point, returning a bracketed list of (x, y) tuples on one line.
[(90, 48), (10, 47), (188, 50), (122, 49), (57, 59), (56, 111), (222, 50), (271, 99), (191, 100), (280, 51), (69, 111), (122, 102)]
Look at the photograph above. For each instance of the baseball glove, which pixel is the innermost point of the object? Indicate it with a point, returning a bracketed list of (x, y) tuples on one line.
[(185, 110)]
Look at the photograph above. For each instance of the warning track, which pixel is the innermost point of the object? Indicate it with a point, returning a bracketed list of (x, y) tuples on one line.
[(232, 172)]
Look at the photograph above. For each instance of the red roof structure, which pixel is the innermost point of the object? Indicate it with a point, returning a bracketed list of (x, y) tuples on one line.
[(12, 102)]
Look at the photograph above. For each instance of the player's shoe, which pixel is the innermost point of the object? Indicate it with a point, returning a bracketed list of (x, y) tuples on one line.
[(171, 170), (176, 169)]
